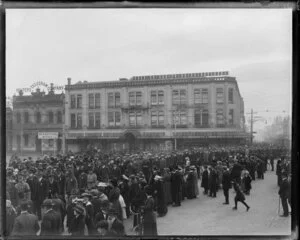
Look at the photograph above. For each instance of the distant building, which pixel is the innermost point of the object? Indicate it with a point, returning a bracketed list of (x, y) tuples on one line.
[(34, 114), (9, 128), (150, 112)]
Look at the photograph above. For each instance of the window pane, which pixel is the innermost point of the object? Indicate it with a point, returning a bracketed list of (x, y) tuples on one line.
[(111, 121), (132, 98), (138, 98), (73, 101), (154, 118), (197, 96), (50, 117), (97, 100), (91, 120), (91, 101), (59, 117), (79, 101), (197, 117), (183, 119), (26, 117), (97, 120), (160, 97), (230, 95), (161, 118), (182, 96), (139, 118), (26, 140), (231, 116), (132, 119), (111, 100), (204, 95), (117, 99), (79, 120), (153, 97), (18, 117), (38, 117), (205, 118), (118, 118), (175, 97), (220, 95), (73, 120)]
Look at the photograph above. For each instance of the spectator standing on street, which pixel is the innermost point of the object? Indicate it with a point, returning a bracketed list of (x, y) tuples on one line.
[(284, 194), (204, 182), (26, 224), (226, 183)]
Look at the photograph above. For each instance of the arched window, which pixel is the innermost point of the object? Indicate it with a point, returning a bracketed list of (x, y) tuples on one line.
[(59, 117), (38, 117), (50, 116)]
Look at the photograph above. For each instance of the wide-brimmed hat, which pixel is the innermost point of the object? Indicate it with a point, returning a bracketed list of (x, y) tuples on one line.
[(86, 194)]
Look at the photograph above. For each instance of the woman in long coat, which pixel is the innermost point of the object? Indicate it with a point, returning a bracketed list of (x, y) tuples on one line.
[(167, 186), (190, 187), (159, 192), (195, 181), (149, 223), (204, 182)]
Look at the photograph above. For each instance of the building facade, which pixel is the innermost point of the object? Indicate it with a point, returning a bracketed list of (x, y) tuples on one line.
[(34, 114), (156, 112), (8, 128)]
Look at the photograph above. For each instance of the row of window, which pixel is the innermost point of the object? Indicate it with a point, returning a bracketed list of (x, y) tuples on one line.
[(157, 98), (38, 117), (157, 118), (26, 141)]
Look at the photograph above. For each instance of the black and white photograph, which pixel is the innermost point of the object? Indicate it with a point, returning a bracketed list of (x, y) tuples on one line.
[(148, 122)]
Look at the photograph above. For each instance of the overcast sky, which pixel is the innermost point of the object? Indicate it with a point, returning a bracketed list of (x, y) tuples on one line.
[(255, 45)]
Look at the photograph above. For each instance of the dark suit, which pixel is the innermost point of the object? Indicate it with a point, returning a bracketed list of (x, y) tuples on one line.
[(226, 183), (213, 183), (77, 226), (26, 224), (52, 189), (43, 191), (284, 195), (33, 183), (204, 182), (51, 223), (61, 182)]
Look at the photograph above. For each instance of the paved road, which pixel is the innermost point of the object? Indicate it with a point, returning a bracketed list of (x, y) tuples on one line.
[(208, 216)]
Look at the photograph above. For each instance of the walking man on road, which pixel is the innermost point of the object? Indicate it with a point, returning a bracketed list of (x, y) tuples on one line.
[(226, 184)]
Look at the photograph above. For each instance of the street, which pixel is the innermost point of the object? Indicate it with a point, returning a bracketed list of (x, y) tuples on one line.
[(208, 216)]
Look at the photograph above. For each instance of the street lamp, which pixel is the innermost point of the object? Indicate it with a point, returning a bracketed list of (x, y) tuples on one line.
[(175, 123)]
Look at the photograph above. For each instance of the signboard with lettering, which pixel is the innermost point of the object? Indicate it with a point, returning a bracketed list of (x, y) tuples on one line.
[(42, 86), (48, 135)]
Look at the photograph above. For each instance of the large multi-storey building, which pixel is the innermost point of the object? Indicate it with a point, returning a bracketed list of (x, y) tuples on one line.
[(154, 112), (37, 113), (8, 128)]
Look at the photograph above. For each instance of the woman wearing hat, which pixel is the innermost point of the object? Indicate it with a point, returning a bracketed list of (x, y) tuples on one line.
[(149, 223), (78, 222)]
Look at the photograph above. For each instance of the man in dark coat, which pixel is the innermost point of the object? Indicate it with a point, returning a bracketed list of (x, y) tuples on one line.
[(115, 224), (33, 183), (77, 224), (51, 222), (82, 181), (176, 187), (213, 183), (25, 223), (61, 182), (159, 192), (204, 182), (43, 191), (226, 183), (89, 209), (52, 187), (284, 194)]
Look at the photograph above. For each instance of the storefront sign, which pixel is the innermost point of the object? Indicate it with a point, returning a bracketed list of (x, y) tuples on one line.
[(48, 135), (42, 86)]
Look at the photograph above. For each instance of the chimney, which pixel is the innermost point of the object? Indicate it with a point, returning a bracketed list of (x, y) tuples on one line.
[(69, 81)]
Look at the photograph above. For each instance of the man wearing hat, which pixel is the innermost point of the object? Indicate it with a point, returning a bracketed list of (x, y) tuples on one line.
[(32, 181), (25, 224), (284, 194), (160, 196), (53, 187), (43, 191), (77, 224), (51, 222), (89, 209), (23, 189), (10, 187), (226, 184)]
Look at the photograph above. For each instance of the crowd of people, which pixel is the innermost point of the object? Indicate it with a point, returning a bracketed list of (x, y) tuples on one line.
[(92, 193)]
